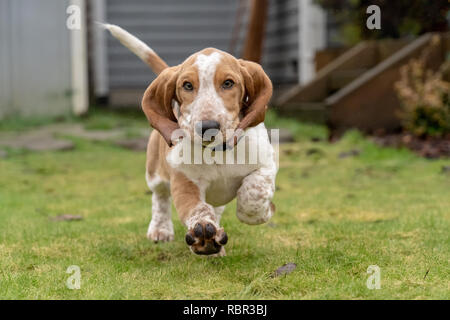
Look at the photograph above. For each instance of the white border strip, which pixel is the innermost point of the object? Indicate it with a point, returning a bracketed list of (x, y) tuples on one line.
[(100, 57), (79, 63)]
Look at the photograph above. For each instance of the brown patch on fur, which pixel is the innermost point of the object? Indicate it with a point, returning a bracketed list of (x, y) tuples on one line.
[(258, 90), (156, 164), (185, 194), (272, 207), (157, 103), (248, 97), (156, 63), (246, 104)]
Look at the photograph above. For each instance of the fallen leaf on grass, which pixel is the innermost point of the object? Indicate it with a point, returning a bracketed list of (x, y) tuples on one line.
[(350, 153), (285, 269), (67, 217), (445, 169), (314, 151), (316, 139)]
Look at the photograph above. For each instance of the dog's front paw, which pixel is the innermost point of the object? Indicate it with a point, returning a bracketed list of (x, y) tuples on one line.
[(161, 233), (205, 239), (160, 236)]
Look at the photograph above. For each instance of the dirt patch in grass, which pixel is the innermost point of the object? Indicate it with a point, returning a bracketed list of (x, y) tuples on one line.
[(425, 147)]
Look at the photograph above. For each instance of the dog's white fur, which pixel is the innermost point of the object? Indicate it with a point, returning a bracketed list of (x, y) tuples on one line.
[(137, 46), (128, 40), (253, 184), (161, 226)]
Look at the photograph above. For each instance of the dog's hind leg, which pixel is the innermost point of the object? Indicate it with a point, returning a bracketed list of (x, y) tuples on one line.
[(161, 226)]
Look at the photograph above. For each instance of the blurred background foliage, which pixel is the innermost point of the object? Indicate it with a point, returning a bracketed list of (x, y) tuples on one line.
[(400, 18), (425, 97)]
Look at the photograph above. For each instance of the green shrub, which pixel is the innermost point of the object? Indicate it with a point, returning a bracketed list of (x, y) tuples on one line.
[(399, 18), (425, 98)]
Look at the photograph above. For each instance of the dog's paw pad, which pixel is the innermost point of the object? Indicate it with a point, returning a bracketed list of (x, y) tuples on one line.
[(206, 239)]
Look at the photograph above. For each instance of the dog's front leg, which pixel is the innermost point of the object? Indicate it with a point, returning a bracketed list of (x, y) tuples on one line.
[(254, 205), (204, 234)]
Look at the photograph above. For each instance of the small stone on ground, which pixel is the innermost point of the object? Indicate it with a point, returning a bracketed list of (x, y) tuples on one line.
[(67, 217), (49, 144), (350, 153), (36, 141), (93, 135), (285, 269), (47, 138), (445, 169), (135, 144)]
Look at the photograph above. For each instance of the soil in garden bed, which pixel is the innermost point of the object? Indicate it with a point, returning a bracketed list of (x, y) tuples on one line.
[(426, 147)]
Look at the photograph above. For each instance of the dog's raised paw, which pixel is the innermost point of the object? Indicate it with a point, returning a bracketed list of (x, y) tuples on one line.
[(205, 239)]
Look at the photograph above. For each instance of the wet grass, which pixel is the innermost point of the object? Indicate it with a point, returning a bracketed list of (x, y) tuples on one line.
[(335, 217)]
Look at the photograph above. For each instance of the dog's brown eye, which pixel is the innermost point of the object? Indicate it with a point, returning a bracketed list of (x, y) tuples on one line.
[(188, 86), (227, 84)]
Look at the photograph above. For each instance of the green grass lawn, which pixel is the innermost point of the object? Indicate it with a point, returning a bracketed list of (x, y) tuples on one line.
[(335, 217)]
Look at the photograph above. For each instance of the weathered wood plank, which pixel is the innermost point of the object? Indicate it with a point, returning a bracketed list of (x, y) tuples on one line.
[(370, 102), (361, 56)]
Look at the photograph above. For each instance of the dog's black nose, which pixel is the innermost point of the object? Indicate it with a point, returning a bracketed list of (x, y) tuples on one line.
[(210, 127)]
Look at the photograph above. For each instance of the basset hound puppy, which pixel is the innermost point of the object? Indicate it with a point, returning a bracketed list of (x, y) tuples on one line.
[(214, 103)]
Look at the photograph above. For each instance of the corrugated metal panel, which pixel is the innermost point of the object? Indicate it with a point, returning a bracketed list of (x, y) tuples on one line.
[(34, 58), (176, 28)]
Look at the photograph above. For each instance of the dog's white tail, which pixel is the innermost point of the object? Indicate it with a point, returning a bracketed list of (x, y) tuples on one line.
[(139, 48)]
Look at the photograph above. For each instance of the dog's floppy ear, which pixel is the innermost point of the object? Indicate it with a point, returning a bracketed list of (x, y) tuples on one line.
[(157, 103), (258, 91)]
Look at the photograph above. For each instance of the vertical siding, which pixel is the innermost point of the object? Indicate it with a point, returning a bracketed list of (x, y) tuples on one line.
[(173, 28), (34, 58), (5, 59), (280, 58), (176, 28)]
